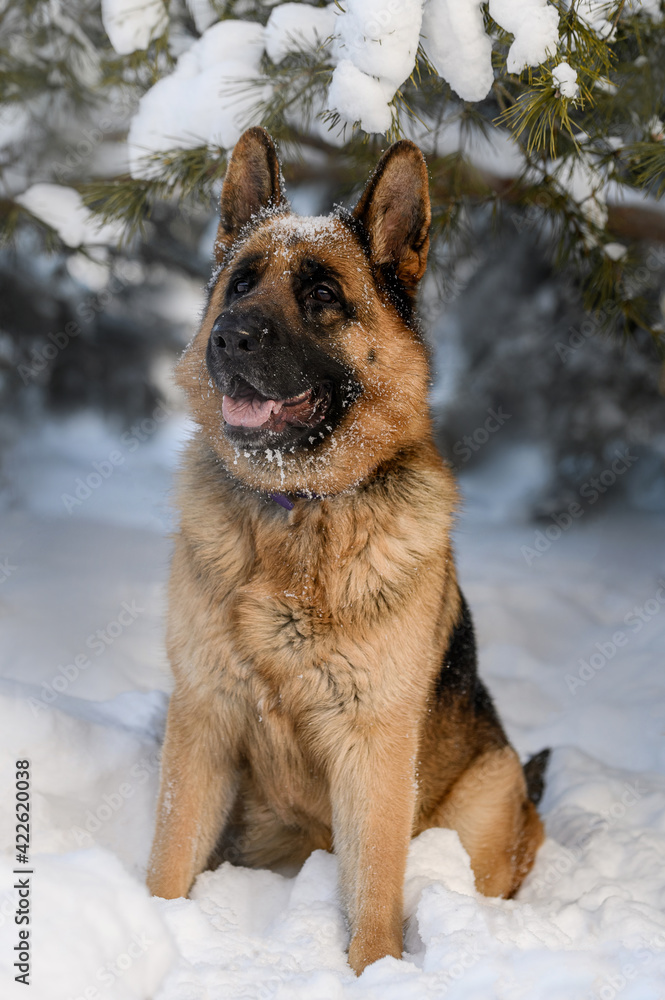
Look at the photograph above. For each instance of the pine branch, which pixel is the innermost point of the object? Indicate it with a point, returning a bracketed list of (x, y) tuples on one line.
[(186, 174)]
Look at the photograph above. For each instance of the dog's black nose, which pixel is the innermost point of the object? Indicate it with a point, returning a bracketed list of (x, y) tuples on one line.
[(226, 338)]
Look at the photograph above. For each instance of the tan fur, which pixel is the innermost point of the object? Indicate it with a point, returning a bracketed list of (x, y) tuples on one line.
[(306, 644)]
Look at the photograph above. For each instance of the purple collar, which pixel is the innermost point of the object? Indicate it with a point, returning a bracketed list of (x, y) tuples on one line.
[(282, 500), (288, 504)]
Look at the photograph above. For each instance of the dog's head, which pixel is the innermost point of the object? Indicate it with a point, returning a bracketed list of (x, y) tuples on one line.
[(308, 371)]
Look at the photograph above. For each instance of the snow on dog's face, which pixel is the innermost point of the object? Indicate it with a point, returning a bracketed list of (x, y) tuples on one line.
[(308, 371), (283, 307)]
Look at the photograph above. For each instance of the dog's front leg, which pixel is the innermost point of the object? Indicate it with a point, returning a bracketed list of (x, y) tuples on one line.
[(197, 789), (373, 799)]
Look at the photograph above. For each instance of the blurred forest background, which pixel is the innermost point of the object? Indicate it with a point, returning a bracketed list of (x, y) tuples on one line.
[(545, 297)]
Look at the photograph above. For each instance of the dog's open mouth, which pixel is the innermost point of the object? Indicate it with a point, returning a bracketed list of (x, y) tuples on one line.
[(251, 409)]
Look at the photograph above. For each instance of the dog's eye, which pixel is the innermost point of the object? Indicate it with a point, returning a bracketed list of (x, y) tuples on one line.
[(323, 294), (241, 286)]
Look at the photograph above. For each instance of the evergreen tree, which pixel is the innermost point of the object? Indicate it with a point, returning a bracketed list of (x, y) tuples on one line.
[(549, 111)]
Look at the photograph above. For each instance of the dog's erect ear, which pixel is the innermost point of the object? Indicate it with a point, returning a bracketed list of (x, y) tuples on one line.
[(395, 210), (252, 182)]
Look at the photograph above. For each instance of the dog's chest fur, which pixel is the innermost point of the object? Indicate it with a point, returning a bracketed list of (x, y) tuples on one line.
[(314, 612)]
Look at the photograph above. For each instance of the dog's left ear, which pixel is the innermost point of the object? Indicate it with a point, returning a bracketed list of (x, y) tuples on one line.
[(252, 182), (395, 211)]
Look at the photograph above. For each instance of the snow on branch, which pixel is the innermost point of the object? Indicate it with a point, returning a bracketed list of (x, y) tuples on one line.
[(207, 100), (133, 24), (62, 209), (376, 46), (368, 49), (294, 27)]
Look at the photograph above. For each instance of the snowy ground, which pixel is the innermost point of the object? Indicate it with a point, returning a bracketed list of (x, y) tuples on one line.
[(83, 696)]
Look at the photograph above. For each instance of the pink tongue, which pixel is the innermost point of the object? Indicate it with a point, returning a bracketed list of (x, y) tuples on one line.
[(248, 411)]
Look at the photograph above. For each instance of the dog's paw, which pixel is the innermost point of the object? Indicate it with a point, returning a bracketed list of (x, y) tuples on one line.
[(369, 947)]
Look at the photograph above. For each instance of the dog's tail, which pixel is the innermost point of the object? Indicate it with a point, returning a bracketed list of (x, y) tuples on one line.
[(534, 772)]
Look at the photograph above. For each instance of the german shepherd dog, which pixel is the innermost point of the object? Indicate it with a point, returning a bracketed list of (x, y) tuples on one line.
[(326, 693)]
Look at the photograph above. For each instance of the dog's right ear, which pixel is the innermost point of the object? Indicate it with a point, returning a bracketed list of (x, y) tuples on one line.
[(395, 212), (253, 181)]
